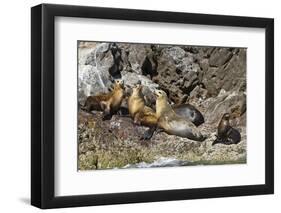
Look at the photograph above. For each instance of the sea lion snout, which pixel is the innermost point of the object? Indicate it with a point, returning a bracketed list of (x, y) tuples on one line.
[(120, 83), (159, 93), (137, 88)]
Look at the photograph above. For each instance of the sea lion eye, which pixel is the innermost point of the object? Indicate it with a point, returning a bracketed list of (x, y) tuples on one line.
[(119, 81)]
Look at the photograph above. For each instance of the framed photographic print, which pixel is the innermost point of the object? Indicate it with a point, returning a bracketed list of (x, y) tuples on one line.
[(139, 106)]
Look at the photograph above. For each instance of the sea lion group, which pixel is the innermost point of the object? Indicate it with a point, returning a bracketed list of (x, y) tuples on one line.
[(180, 120)]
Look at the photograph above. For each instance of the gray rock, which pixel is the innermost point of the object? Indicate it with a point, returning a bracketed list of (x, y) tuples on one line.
[(204, 64), (137, 55), (131, 79), (230, 75), (220, 56), (95, 57), (226, 102), (179, 79), (92, 81), (93, 75), (187, 65), (175, 53), (198, 94)]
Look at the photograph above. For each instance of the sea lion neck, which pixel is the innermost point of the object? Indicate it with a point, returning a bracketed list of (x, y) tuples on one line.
[(117, 87), (136, 92)]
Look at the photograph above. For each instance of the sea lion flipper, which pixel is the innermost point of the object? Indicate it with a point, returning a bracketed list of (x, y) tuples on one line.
[(148, 133), (103, 105), (217, 140), (106, 116), (234, 136), (158, 130), (106, 112)]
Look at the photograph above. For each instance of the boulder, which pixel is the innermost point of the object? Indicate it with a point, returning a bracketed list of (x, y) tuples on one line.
[(226, 102), (93, 75), (137, 55), (175, 77), (131, 79), (174, 53), (220, 56), (227, 72), (92, 81)]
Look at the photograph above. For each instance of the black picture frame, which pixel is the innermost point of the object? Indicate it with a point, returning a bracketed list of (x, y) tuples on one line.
[(43, 102)]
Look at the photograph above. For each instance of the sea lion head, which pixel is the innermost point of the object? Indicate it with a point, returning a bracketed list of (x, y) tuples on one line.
[(160, 94), (162, 104), (119, 83), (137, 89)]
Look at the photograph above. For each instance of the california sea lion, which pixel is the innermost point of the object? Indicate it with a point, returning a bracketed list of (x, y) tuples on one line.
[(189, 112), (172, 123), (109, 103), (225, 133), (142, 114)]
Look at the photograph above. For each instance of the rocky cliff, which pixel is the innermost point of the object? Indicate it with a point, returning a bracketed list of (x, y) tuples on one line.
[(211, 78)]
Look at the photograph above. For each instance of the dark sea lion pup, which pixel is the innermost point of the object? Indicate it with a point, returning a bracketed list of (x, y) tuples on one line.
[(225, 133), (109, 103), (172, 123), (189, 112)]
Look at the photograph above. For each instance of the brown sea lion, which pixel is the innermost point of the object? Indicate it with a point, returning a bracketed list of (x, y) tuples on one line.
[(225, 133), (172, 123), (136, 100), (141, 114), (109, 103)]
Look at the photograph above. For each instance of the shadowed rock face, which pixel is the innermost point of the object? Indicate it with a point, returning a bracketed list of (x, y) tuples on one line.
[(210, 78)]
